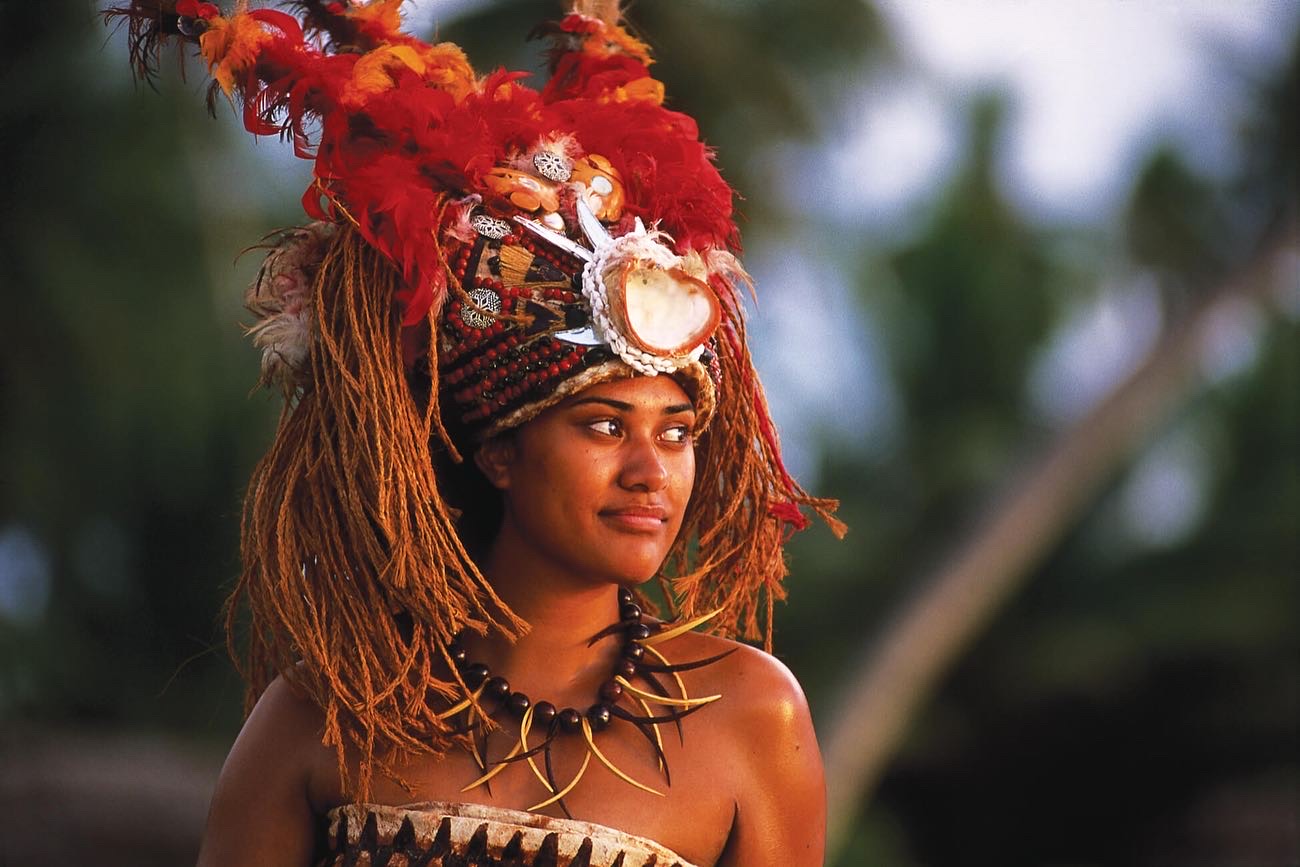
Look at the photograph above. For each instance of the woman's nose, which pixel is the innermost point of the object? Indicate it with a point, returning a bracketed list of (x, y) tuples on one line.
[(643, 466)]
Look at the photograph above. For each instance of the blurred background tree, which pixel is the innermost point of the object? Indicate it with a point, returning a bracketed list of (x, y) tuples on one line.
[(1125, 695)]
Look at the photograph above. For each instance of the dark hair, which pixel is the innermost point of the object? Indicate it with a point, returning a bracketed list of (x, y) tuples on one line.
[(479, 505)]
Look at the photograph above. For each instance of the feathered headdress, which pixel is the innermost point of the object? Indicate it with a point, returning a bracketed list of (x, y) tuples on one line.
[(481, 250)]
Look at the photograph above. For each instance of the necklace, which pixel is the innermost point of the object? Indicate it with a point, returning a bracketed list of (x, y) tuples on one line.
[(639, 660)]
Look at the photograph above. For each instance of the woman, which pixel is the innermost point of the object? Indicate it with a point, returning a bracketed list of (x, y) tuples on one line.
[(517, 389)]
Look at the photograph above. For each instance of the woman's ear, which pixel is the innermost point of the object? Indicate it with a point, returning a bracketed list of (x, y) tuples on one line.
[(494, 459)]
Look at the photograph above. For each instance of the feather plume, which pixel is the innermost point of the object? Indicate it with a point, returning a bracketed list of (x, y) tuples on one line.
[(280, 297), (149, 24)]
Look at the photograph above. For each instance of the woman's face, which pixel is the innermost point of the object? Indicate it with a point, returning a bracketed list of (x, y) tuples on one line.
[(597, 485)]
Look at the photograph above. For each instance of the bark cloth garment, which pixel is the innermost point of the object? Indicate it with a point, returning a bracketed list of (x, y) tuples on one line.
[(435, 834)]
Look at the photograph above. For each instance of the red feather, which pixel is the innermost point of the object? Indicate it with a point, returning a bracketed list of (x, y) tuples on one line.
[(390, 154)]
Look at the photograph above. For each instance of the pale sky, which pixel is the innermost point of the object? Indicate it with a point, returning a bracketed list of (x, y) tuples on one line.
[(1093, 84)]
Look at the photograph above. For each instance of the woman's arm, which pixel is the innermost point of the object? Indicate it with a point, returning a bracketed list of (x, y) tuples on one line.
[(781, 793), (260, 813)]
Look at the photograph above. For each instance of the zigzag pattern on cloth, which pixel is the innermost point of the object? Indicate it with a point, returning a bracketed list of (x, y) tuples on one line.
[(470, 835)]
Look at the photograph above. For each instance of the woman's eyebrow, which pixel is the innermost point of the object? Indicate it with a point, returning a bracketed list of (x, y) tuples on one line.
[(623, 406), (616, 404)]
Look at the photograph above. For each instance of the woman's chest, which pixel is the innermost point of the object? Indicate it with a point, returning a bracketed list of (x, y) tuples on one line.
[(616, 780)]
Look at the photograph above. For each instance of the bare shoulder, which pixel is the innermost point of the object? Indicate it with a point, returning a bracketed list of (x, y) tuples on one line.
[(773, 766), (284, 708), (261, 811), (757, 685), (284, 728)]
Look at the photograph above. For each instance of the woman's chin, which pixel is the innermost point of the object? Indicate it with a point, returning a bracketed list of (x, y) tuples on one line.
[(631, 579), (632, 575)]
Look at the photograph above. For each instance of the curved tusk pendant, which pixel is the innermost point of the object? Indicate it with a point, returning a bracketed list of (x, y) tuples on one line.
[(671, 667), (593, 749), (681, 684), (477, 753), (586, 760), (461, 705), (497, 767), (660, 699), (671, 716), (550, 778), (524, 726), (659, 738), (680, 629)]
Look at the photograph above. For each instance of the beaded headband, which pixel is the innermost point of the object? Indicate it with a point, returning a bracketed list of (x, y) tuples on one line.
[(480, 250)]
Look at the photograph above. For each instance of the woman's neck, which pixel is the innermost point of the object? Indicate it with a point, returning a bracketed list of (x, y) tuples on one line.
[(555, 660)]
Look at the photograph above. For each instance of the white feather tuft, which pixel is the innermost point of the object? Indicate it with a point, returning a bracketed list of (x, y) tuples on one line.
[(281, 299)]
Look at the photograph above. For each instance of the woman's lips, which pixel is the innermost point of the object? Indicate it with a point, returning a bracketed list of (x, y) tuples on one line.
[(642, 519)]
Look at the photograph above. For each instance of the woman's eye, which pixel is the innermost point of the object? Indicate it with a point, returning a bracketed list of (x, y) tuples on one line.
[(607, 426), (679, 434)]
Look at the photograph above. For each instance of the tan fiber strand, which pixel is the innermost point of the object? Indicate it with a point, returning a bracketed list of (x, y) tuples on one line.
[(736, 562), (354, 579)]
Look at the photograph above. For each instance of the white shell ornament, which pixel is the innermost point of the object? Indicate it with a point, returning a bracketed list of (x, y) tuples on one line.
[(552, 166), (489, 226), (661, 312), (477, 312), (645, 305)]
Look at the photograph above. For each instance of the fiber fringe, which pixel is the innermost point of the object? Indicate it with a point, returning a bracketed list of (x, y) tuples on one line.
[(728, 554), (354, 578)]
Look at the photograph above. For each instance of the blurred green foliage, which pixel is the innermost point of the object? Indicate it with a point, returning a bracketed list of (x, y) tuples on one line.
[(1118, 711)]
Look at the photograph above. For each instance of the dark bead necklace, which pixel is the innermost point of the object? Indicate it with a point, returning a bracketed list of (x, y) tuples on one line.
[(497, 689), (490, 694)]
